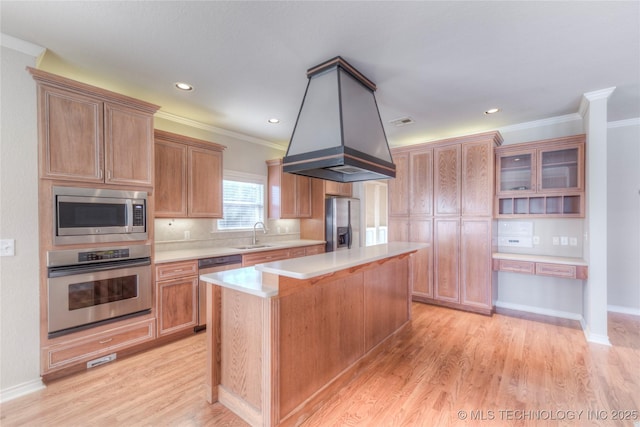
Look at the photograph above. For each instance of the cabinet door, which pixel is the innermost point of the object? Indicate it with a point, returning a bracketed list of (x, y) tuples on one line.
[(477, 179), (399, 186), (446, 267), (422, 268), (177, 305), (71, 134), (205, 183), (561, 169), (287, 195), (447, 180), (516, 172), (421, 183), (170, 180), (338, 188), (398, 229), (303, 196), (128, 137), (475, 263)]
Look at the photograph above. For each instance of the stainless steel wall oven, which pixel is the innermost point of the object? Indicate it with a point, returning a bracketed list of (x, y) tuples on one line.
[(87, 287)]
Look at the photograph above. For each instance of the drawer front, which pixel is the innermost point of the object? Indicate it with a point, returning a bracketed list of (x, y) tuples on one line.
[(266, 256), (316, 249), (556, 270), (297, 252), (517, 266), (173, 270), (99, 344)]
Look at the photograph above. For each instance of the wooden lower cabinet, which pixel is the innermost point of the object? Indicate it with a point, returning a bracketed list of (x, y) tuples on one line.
[(477, 278), (177, 296), (446, 265), (81, 350)]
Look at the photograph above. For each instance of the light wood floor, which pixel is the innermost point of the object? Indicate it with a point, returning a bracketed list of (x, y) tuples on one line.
[(509, 369)]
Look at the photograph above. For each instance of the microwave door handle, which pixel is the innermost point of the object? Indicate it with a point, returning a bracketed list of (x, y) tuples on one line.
[(129, 215)]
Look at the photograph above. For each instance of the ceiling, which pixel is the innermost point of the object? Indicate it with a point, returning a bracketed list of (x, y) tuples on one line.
[(440, 63)]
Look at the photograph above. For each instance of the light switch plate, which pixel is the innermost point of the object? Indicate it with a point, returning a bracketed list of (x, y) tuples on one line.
[(7, 247)]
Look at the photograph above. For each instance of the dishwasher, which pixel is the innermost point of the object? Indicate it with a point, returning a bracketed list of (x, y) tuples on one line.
[(212, 265)]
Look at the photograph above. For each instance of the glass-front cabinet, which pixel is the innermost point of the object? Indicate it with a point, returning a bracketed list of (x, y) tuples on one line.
[(544, 178)]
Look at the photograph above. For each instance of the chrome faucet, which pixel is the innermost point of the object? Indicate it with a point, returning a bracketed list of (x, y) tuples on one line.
[(264, 230)]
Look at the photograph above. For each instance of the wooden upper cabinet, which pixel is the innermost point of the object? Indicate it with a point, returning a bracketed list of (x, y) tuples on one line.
[(289, 194), (205, 183), (541, 178), (89, 134), (334, 188), (446, 179), (398, 187), (477, 179), (421, 183), (188, 177)]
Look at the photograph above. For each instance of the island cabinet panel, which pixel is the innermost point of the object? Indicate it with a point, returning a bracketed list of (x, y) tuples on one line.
[(334, 311), (386, 298)]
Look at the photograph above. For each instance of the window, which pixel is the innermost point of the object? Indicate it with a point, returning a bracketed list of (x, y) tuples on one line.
[(243, 200)]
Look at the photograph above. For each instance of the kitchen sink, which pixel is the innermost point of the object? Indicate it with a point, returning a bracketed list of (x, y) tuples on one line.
[(252, 246)]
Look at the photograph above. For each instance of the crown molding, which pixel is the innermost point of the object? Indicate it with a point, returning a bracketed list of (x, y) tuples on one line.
[(624, 123), (199, 125), (540, 123), (25, 47), (595, 95)]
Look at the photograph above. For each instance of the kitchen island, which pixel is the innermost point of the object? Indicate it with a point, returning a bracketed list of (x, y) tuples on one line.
[(283, 337)]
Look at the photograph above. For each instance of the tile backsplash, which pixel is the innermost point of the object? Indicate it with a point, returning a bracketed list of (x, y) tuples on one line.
[(191, 233)]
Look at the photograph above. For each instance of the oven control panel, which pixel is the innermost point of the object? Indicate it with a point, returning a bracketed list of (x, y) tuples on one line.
[(103, 255)]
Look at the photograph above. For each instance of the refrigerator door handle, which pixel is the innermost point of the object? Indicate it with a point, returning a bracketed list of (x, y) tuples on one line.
[(349, 230)]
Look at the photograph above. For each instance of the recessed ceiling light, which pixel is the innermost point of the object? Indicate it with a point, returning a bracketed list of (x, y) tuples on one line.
[(184, 86), (492, 111), (274, 121)]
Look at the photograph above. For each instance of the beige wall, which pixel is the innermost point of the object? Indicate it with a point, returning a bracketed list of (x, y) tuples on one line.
[(19, 295)]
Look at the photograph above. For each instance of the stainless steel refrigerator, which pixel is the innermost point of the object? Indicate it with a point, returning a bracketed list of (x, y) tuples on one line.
[(342, 222)]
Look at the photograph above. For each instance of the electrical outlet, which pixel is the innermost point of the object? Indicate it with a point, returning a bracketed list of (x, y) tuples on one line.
[(573, 241), (536, 240), (564, 240), (187, 234), (7, 247), (556, 240)]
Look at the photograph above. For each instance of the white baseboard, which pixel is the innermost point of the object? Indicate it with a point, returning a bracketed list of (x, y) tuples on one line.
[(21, 390), (594, 338), (624, 310), (539, 310)]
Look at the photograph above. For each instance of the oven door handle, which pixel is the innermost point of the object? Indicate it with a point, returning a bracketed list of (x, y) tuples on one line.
[(92, 268)]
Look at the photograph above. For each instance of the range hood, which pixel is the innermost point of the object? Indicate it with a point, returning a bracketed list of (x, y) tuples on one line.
[(339, 135)]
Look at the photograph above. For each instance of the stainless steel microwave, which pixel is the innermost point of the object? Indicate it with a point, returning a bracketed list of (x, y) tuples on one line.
[(89, 215)]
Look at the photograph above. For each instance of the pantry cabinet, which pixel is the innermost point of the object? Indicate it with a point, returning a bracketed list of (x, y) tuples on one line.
[(443, 195), (289, 194), (88, 134), (541, 179), (188, 177)]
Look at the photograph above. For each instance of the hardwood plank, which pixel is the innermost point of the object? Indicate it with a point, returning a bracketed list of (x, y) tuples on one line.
[(445, 361)]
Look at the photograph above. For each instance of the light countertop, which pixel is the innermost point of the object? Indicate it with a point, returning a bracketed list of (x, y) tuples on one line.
[(249, 279), (199, 253), (540, 258)]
